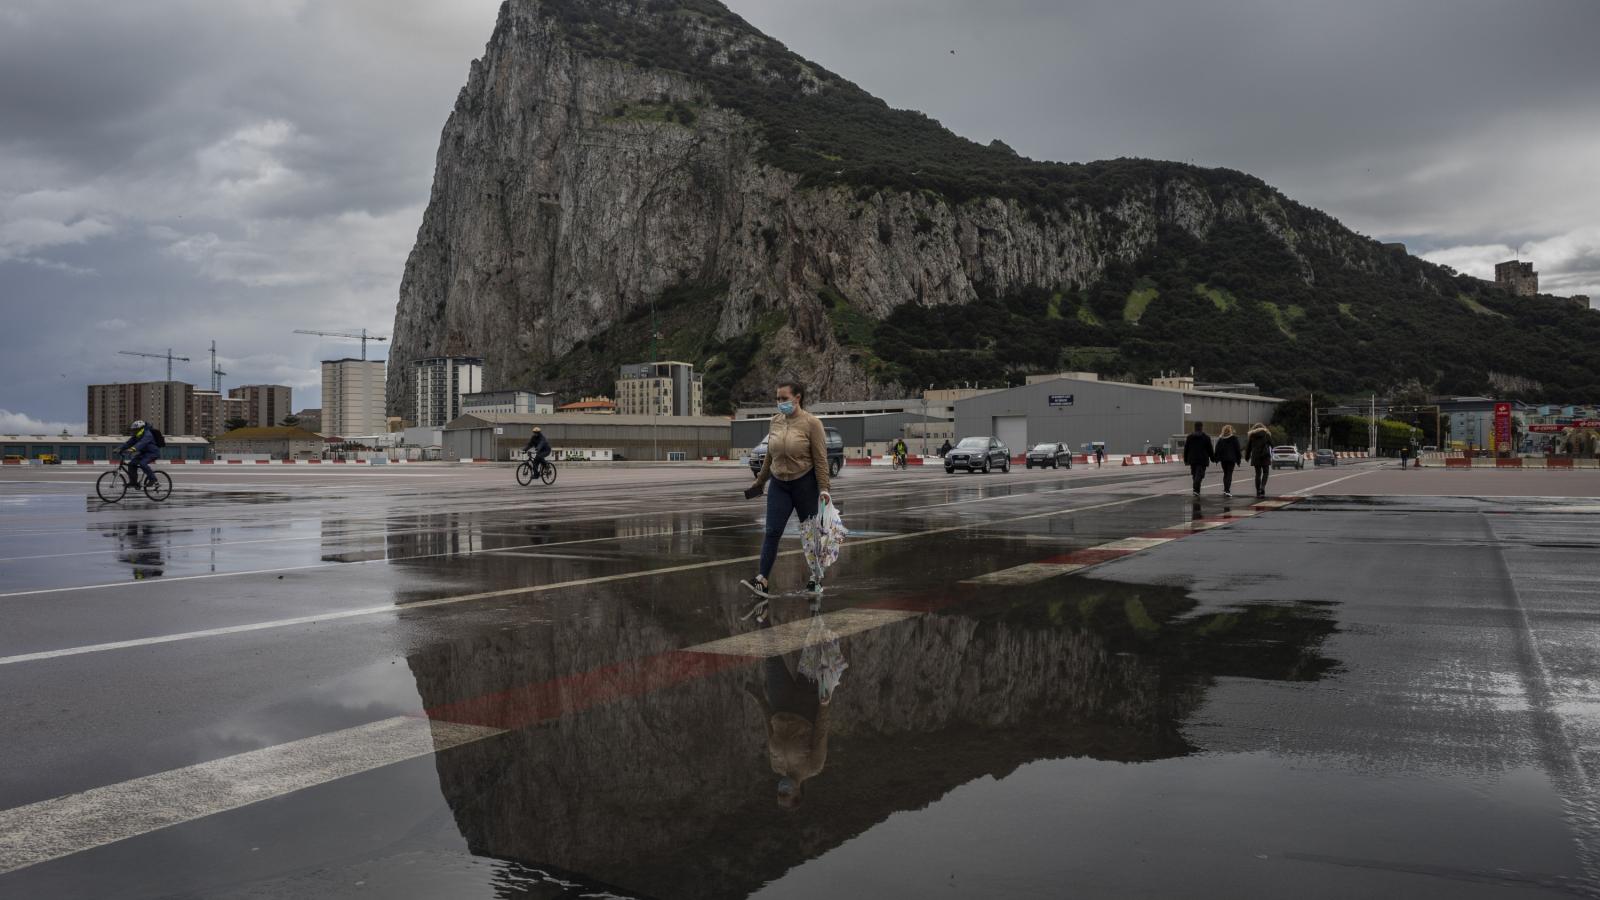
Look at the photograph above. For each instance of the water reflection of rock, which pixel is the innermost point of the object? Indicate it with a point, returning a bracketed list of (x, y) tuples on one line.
[(669, 793)]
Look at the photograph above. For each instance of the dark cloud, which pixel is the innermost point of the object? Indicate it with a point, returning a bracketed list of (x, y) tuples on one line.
[(174, 171)]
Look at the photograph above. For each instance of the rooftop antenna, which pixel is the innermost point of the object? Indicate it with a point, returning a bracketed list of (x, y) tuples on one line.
[(166, 356)]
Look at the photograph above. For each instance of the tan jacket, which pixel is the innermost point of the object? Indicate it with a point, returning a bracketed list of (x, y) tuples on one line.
[(798, 748), (794, 446)]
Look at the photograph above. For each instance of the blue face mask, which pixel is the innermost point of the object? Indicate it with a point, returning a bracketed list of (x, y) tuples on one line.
[(786, 407)]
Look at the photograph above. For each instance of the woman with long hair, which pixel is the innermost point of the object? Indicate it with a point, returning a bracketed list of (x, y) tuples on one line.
[(1229, 455)]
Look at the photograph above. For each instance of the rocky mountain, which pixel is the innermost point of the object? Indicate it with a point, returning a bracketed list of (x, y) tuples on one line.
[(622, 177)]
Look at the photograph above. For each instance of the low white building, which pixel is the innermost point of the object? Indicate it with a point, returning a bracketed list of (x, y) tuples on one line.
[(508, 403)]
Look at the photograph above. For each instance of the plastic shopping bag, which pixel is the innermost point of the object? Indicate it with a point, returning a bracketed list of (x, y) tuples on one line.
[(822, 537), (822, 661)]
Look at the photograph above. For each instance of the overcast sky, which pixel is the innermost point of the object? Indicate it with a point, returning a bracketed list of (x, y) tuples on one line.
[(179, 171)]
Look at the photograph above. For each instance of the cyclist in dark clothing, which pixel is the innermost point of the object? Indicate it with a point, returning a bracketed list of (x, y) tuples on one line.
[(142, 440), (1197, 454), (540, 446)]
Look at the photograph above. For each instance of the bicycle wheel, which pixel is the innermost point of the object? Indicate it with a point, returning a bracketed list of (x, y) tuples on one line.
[(110, 486), (160, 489), (548, 476), (525, 474)]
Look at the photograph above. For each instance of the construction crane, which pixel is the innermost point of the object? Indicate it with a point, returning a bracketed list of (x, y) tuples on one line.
[(166, 356), (216, 373), (361, 336)]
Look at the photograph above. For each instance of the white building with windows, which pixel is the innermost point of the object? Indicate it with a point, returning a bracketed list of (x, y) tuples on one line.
[(508, 403), (352, 396), (439, 383)]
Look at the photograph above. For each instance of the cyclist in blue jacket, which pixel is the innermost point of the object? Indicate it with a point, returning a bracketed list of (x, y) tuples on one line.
[(142, 440)]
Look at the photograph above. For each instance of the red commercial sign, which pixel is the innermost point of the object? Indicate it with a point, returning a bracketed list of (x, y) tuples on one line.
[(1502, 427)]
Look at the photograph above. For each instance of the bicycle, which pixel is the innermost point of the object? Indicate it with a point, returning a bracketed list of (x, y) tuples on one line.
[(112, 486), (899, 461), (525, 473)]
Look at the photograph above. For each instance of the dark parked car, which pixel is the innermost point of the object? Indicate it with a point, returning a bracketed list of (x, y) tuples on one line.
[(1049, 456), (1325, 458), (835, 453), (978, 454)]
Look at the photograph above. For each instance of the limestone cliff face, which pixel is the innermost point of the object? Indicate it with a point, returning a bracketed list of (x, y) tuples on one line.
[(571, 189)]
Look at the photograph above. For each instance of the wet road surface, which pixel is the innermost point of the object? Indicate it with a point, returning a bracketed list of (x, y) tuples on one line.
[(433, 683)]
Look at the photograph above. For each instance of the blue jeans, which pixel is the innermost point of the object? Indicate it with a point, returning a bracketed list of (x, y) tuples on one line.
[(785, 498)]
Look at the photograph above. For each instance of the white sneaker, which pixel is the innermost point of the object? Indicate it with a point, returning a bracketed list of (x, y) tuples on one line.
[(758, 586)]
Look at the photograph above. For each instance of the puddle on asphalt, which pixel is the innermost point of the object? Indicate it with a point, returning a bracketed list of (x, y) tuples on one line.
[(710, 775)]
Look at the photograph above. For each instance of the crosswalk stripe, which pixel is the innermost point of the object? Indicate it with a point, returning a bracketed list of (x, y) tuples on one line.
[(60, 826)]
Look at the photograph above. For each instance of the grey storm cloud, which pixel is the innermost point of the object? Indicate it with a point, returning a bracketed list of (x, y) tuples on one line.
[(178, 171)]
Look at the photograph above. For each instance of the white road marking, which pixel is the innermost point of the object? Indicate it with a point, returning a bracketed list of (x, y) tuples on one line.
[(797, 635), (1134, 543), (1027, 573), (1317, 487), (53, 828)]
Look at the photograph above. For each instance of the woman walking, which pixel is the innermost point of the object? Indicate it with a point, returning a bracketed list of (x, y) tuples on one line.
[(1258, 451), (1228, 454), (796, 464)]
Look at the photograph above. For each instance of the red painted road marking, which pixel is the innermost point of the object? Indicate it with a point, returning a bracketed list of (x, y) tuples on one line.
[(532, 704)]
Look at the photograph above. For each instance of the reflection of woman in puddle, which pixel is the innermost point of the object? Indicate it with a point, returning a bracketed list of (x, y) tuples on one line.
[(797, 725)]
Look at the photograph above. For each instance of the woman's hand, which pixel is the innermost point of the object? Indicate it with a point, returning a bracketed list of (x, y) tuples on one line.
[(752, 492), (826, 497)]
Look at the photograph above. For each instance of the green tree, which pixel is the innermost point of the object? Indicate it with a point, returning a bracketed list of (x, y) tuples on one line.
[(291, 421), (235, 424)]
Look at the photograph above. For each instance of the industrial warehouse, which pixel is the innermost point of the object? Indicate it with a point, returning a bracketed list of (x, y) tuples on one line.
[(1080, 410)]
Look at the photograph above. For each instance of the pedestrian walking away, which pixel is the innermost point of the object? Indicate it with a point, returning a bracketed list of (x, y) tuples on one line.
[(796, 467), (1258, 452), (1228, 454), (1099, 457), (944, 450), (1197, 454)]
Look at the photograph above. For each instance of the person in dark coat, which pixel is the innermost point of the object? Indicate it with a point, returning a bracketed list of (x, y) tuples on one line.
[(1197, 454), (1258, 452), (944, 450), (1228, 455)]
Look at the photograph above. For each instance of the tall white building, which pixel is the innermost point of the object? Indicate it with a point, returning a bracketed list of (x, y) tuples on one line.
[(660, 389), (438, 385), (352, 397)]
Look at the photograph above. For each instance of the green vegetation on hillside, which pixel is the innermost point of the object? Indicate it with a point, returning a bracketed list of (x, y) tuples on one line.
[(1477, 307), (1139, 300), (1223, 300), (1349, 332)]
